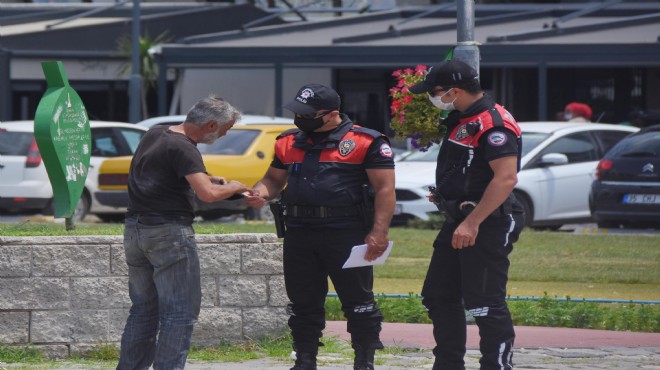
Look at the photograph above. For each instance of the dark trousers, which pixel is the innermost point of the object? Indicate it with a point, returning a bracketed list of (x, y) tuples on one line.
[(472, 278), (310, 256)]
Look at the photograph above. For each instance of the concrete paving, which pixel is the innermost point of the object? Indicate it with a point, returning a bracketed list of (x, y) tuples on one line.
[(409, 347)]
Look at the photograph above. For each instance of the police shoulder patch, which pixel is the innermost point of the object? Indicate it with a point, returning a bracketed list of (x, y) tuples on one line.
[(346, 147), (386, 151), (497, 138)]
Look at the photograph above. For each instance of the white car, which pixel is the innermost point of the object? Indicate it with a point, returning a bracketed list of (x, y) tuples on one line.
[(247, 119), (558, 165), (24, 183)]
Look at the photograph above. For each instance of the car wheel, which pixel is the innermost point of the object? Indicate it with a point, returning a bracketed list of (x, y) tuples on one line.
[(82, 208), (608, 224), (527, 206)]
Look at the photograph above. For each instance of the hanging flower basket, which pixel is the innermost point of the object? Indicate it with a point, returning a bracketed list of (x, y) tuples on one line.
[(413, 115)]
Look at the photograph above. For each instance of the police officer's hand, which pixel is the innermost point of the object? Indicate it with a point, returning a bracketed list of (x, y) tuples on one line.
[(255, 200), (376, 245), (465, 235)]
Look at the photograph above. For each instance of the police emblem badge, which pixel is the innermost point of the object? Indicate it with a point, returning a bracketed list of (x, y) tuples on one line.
[(346, 146), (462, 133)]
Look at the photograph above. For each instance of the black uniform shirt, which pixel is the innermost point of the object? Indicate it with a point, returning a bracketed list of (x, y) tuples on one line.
[(463, 171)]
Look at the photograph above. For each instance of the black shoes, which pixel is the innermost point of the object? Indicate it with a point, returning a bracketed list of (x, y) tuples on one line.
[(305, 361)]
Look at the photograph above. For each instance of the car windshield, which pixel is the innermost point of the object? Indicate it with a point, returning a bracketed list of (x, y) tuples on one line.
[(15, 143), (530, 141), (236, 142), (645, 144)]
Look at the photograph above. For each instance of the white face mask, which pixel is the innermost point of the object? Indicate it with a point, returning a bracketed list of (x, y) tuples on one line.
[(437, 101)]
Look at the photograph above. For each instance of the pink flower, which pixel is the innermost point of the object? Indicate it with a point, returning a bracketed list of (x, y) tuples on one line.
[(408, 71), (420, 70), (408, 99), (396, 73)]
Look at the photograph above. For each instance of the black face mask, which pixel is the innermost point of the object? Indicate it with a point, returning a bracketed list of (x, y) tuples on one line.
[(308, 125)]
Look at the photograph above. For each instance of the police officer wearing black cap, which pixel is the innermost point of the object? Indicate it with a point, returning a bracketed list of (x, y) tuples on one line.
[(477, 169), (331, 168)]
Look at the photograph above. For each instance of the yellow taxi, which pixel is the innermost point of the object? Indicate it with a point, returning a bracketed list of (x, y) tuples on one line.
[(244, 155)]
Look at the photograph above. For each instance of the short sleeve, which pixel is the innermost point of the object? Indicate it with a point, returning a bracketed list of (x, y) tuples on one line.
[(379, 154), (277, 163), (499, 142)]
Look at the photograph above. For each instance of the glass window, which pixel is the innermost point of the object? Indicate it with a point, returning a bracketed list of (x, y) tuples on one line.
[(132, 137), (578, 147), (639, 145), (609, 138), (236, 142), (15, 143), (531, 140), (104, 143)]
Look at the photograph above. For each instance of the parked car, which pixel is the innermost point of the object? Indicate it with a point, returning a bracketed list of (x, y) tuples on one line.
[(244, 154), (24, 183), (248, 119), (558, 165), (626, 191)]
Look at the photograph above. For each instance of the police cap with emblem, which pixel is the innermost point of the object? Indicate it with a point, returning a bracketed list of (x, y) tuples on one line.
[(312, 98), (450, 73)]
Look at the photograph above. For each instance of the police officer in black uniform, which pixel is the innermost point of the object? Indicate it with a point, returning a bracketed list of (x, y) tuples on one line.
[(331, 168), (477, 169)]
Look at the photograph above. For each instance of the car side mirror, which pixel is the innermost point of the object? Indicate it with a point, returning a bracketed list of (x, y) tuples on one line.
[(553, 159)]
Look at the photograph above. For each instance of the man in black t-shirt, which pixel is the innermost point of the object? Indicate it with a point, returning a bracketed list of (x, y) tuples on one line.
[(166, 173), (477, 169), (327, 165)]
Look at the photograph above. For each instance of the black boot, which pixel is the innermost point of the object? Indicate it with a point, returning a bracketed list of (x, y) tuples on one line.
[(364, 355), (305, 361)]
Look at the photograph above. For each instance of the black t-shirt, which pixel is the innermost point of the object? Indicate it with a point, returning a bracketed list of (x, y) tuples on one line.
[(156, 181)]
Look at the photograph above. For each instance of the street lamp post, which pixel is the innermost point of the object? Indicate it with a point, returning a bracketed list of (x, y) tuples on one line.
[(466, 48)]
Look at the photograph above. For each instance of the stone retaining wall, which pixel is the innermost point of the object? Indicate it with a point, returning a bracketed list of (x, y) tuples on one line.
[(67, 294)]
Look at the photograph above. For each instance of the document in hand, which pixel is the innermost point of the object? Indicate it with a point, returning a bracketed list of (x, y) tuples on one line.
[(356, 259)]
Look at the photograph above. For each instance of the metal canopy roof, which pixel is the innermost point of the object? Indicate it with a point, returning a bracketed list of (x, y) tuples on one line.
[(611, 33)]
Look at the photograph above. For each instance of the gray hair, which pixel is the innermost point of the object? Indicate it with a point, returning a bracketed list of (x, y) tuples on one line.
[(212, 109)]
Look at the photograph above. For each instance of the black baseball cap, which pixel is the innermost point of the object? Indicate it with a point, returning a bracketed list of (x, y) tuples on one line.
[(312, 98), (450, 73)]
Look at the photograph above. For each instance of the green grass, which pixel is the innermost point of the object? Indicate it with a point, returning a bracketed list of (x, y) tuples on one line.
[(544, 312), (556, 263)]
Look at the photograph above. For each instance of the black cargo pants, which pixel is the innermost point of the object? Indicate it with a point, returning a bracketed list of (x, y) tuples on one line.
[(310, 256), (472, 278)]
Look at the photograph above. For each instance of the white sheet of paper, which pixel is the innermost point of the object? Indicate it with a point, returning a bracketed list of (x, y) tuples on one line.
[(356, 259)]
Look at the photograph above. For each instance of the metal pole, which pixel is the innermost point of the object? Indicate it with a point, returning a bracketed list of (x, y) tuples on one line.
[(5, 85), (543, 92), (135, 81), (466, 48)]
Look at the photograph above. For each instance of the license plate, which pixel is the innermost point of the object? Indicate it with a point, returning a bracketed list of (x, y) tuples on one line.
[(398, 209), (641, 199)]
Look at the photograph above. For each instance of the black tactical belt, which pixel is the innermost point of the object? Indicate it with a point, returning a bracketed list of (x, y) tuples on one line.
[(321, 211)]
